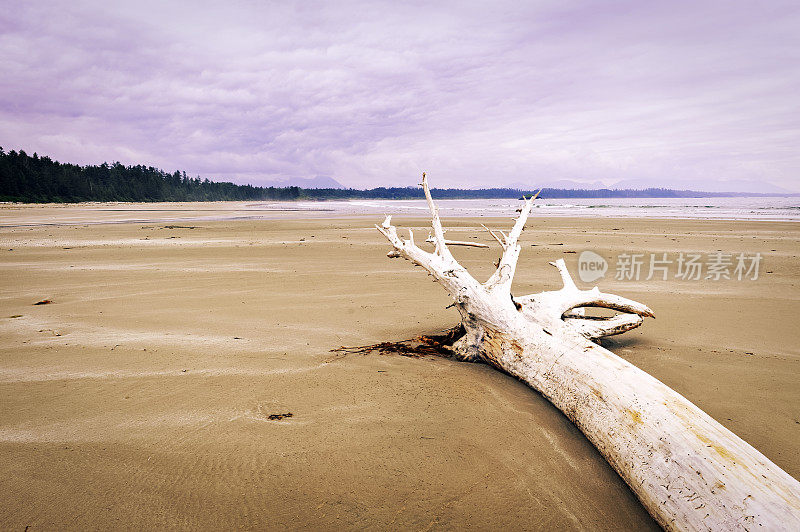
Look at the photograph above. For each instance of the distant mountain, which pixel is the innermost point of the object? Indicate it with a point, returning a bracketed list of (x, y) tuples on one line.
[(733, 185), (561, 184), (320, 181)]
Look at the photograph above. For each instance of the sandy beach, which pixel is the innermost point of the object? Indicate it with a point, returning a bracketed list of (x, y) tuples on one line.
[(141, 396)]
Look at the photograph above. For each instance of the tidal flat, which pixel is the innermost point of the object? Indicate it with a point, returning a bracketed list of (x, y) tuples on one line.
[(152, 391)]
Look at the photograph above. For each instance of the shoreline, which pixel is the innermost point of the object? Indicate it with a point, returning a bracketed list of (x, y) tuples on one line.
[(32, 213)]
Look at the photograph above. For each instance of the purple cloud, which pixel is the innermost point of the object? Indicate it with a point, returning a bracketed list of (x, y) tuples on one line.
[(665, 94)]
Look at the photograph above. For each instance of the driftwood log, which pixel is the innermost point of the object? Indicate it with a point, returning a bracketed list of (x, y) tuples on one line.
[(688, 471)]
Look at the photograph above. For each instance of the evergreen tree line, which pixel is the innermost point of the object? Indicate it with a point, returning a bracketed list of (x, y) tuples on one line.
[(34, 179), (37, 179)]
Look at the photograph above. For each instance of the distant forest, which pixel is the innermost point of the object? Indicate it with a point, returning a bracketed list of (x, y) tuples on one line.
[(35, 179)]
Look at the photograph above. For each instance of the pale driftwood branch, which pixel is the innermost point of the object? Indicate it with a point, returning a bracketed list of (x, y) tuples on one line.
[(594, 328), (459, 243), (436, 224), (570, 301), (689, 472), (501, 279), (566, 278), (502, 244), (441, 265)]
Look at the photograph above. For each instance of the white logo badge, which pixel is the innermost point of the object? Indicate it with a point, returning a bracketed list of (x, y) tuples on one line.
[(591, 266)]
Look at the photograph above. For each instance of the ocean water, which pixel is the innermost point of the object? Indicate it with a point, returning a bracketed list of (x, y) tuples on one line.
[(740, 208)]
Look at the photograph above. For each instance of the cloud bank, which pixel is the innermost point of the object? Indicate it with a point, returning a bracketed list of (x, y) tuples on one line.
[(678, 94)]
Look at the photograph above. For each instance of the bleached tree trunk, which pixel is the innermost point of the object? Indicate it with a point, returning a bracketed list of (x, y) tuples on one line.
[(689, 471)]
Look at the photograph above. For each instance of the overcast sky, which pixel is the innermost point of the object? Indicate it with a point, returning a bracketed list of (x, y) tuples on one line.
[(679, 94)]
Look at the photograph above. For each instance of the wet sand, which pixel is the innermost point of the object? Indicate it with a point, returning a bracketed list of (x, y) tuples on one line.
[(141, 396)]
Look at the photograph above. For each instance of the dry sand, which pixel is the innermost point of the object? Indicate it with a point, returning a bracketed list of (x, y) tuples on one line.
[(140, 397)]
